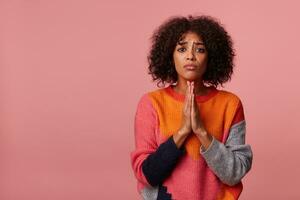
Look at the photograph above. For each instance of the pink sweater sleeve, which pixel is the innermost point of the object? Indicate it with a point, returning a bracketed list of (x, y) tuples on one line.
[(145, 126)]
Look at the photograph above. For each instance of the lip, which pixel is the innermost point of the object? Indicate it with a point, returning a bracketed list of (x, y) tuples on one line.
[(190, 66)]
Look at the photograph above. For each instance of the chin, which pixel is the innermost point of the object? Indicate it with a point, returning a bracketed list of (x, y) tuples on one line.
[(192, 78)]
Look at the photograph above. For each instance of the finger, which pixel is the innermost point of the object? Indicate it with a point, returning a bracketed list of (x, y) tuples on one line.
[(195, 107), (188, 86), (190, 101), (192, 95), (187, 99), (193, 102), (192, 114)]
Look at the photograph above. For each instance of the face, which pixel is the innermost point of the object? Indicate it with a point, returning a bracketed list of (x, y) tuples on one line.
[(190, 57)]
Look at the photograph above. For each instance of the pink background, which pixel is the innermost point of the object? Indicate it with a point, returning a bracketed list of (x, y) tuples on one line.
[(71, 73)]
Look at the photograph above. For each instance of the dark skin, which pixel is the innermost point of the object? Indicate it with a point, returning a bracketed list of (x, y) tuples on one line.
[(191, 50)]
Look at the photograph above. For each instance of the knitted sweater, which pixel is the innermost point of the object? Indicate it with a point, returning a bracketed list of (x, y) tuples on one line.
[(190, 173)]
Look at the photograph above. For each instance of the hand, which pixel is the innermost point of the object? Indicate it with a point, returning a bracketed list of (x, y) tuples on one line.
[(197, 125), (186, 124), (191, 121)]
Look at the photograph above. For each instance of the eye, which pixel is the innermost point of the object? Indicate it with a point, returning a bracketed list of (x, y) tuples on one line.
[(181, 49), (200, 50)]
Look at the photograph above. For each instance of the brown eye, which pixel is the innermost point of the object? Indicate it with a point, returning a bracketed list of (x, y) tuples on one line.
[(200, 50), (181, 49)]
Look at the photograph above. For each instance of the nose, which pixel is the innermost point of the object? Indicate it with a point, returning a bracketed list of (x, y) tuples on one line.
[(190, 54)]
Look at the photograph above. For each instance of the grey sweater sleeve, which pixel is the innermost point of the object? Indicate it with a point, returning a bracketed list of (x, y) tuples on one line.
[(232, 160)]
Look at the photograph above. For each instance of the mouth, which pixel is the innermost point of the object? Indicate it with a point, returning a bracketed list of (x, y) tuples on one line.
[(190, 67)]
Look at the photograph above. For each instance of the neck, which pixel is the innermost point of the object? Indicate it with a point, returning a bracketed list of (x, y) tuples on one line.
[(199, 87)]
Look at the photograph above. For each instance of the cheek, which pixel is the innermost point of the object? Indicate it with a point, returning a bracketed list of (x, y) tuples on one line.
[(178, 59), (175, 61), (178, 64), (202, 58)]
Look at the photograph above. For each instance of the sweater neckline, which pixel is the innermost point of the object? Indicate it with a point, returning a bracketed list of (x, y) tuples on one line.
[(199, 98)]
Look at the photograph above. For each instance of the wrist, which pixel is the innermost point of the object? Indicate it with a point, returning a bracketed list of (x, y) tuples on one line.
[(179, 137), (205, 138), (201, 132), (206, 141), (183, 131)]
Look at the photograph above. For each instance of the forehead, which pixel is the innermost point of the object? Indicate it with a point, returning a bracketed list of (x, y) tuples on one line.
[(190, 37)]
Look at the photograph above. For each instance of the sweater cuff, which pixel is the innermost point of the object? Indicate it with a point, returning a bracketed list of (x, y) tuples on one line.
[(177, 150), (169, 152), (211, 150), (158, 165)]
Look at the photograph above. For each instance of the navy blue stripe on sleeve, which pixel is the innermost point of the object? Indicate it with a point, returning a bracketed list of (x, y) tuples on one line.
[(159, 165)]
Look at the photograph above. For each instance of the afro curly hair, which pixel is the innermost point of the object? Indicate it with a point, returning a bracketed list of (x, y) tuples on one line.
[(216, 40)]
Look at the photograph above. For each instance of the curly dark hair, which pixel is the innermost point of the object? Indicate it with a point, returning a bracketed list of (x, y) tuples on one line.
[(216, 41)]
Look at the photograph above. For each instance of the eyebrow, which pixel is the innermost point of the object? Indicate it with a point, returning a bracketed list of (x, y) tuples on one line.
[(197, 43)]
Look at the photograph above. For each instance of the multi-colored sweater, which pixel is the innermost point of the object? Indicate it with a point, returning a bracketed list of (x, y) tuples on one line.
[(191, 172)]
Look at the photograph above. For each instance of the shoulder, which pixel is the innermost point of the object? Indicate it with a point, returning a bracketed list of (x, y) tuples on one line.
[(146, 99), (153, 95), (234, 105), (156, 93), (230, 101), (229, 97)]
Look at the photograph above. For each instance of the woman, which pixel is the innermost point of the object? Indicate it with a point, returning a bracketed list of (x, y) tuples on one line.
[(190, 136)]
